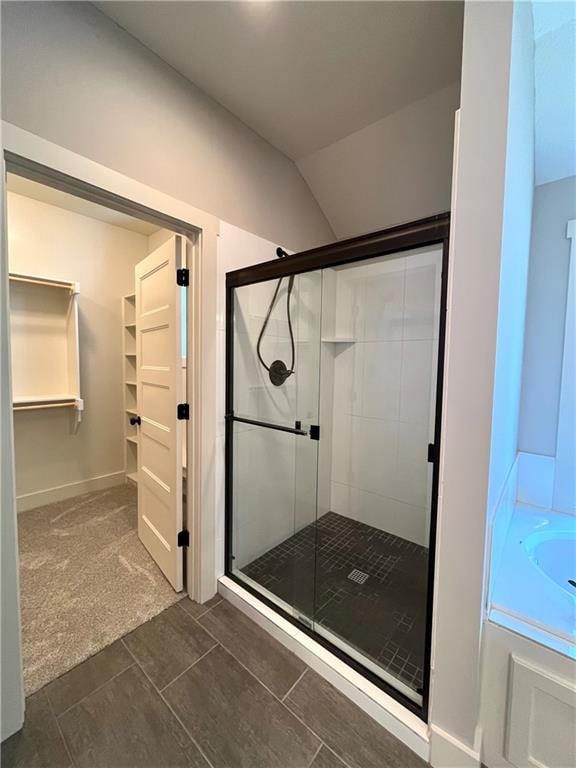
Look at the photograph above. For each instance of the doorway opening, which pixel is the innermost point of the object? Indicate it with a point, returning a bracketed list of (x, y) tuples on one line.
[(98, 306)]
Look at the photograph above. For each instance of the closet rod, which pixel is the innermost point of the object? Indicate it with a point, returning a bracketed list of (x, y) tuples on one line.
[(40, 406), (42, 281)]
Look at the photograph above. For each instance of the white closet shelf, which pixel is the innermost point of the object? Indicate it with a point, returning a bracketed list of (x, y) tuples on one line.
[(133, 477), (130, 354), (339, 340), (132, 411), (132, 439), (131, 383), (130, 297), (129, 325)]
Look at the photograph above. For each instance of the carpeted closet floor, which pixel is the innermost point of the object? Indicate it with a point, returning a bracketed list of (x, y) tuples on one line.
[(85, 580)]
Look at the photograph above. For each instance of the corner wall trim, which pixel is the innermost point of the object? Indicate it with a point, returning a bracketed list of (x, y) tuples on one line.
[(446, 751), (399, 721), (61, 492)]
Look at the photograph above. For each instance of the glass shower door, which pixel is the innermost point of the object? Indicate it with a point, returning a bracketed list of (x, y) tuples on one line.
[(273, 436)]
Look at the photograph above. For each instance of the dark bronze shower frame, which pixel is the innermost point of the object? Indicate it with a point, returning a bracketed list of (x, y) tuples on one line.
[(388, 242)]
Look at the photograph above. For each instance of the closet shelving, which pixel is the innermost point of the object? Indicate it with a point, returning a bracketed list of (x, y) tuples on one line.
[(130, 388), (45, 343)]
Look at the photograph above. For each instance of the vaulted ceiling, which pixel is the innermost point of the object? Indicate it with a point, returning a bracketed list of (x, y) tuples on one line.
[(304, 74)]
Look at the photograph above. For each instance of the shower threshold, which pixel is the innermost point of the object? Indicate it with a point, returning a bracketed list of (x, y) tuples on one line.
[(361, 588)]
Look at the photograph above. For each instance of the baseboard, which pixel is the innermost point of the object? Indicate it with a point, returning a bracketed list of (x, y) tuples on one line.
[(61, 492), (391, 715), (448, 752)]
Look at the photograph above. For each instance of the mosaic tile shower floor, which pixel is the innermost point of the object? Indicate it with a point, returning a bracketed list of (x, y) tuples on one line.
[(365, 585)]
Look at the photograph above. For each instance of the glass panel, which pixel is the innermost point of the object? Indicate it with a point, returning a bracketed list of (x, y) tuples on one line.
[(337, 531), (380, 326), (276, 381)]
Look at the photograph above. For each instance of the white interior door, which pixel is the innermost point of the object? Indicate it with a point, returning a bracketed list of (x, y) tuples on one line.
[(159, 380)]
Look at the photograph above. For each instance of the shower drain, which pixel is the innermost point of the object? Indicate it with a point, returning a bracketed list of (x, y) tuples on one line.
[(358, 576)]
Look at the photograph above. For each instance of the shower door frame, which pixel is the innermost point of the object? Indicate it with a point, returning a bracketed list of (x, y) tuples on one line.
[(434, 230)]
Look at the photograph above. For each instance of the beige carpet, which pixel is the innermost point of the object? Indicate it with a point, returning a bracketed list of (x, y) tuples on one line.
[(85, 580)]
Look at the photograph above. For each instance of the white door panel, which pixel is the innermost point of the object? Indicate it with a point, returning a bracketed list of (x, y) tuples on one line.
[(159, 381)]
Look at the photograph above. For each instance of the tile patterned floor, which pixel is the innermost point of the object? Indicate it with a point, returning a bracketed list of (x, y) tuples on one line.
[(202, 687), (365, 585)]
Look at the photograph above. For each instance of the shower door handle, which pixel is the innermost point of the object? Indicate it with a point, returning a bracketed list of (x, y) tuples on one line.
[(279, 428)]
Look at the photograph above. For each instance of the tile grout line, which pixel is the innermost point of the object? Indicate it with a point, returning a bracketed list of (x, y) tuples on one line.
[(188, 668), (339, 757), (61, 732), (289, 691), (277, 698), (167, 705), (98, 688), (281, 701), (203, 612), (315, 755), (253, 675)]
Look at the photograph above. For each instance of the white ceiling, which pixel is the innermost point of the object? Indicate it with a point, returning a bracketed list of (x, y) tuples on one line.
[(304, 74), (27, 188)]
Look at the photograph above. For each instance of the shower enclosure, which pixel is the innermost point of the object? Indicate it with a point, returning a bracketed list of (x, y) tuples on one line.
[(333, 411)]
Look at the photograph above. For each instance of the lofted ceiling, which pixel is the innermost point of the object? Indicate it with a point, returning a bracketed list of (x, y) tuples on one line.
[(303, 74)]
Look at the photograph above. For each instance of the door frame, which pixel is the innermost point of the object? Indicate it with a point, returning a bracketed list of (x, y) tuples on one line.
[(434, 230), (32, 157)]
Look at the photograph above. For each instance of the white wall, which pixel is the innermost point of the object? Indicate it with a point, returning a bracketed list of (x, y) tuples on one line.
[(92, 88), (12, 703), (554, 206), (384, 389), (555, 63), (50, 452), (564, 498), (475, 250), (517, 225), (395, 170)]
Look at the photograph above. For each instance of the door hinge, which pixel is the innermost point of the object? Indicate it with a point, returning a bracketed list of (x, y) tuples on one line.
[(183, 277), (431, 453), (183, 538), (314, 432), (183, 411)]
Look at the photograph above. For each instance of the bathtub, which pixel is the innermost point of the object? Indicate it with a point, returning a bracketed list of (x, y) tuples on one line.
[(534, 587)]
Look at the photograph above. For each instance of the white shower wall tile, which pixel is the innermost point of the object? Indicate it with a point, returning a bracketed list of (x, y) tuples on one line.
[(383, 306), (416, 381), (383, 392), (410, 481), (373, 454), (388, 514), (341, 499), (341, 449), (264, 503), (377, 379), (420, 304)]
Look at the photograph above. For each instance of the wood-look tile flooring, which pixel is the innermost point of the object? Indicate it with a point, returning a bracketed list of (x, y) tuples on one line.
[(204, 687)]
